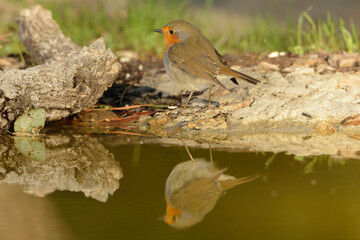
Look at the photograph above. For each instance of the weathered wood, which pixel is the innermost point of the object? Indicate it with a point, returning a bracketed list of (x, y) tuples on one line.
[(69, 79), (42, 36)]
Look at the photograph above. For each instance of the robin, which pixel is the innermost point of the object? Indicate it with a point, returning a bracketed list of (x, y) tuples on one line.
[(192, 62), (192, 190)]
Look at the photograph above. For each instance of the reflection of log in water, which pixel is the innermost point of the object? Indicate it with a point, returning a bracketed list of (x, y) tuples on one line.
[(26, 217), (193, 189), (73, 162)]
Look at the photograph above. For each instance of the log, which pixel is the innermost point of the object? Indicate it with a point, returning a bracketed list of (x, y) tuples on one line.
[(42, 36), (68, 80)]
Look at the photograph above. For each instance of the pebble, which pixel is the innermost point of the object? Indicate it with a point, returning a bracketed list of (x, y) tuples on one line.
[(324, 128), (345, 60)]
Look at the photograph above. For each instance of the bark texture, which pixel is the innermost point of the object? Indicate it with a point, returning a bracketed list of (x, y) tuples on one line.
[(68, 80)]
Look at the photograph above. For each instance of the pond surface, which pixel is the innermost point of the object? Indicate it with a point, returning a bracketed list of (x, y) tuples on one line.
[(292, 197)]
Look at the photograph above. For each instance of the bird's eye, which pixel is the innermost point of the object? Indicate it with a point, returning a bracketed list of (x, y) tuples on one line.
[(171, 31), (174, 219)]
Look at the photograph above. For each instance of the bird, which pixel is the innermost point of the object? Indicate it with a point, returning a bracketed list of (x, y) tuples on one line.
[(192, 190), (191, 60)]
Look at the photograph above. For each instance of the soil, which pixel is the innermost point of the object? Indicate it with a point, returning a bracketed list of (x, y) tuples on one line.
[(122, 91), (237, 129)]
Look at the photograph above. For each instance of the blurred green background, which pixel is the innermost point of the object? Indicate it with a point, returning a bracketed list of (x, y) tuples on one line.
[(256, 26)]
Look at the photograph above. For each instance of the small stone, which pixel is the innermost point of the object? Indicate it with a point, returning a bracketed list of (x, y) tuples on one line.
[(347, 62), (159, 120), (208, 123), (308, 62), (143, 118), (273, 54), (196, 102), (353, 120), (322, 68), (324, 128), (305, 71), (287, 70), (218, 123), (299, 70), (236, 106), (343, 60), (180, 121), (268, 66), (211, 113)]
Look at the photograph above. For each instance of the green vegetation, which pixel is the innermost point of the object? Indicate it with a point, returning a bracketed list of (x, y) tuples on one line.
[(310, 162), (131, 27), (329, 35)]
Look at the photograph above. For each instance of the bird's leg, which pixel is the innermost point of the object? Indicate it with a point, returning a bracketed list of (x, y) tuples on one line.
[(209, 104), (211, 157), (187, 150), (187, 101)]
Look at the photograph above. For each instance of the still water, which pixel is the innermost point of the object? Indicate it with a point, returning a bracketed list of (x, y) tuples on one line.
[(90, 187)]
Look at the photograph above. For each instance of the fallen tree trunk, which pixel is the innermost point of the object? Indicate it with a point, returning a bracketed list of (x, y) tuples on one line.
[(69, 79), (42, 36)]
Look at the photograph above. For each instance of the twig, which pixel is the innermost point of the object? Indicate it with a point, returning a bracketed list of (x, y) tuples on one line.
[(119, 108)]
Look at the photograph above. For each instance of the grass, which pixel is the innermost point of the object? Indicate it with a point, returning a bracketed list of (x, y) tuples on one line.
[(311, 162), (133, 30), (323, 35)]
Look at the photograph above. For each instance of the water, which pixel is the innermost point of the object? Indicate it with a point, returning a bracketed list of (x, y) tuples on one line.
[(294, 198)]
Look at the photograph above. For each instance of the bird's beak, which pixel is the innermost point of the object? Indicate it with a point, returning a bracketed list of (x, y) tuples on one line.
[(158, 30)]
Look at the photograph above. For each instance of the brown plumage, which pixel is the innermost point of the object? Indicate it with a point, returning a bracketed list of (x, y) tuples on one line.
[(191, 61), (193, 189)]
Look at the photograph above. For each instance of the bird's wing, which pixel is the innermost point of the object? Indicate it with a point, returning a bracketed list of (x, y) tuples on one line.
[(199, 196), (196, 62), (221, 58)]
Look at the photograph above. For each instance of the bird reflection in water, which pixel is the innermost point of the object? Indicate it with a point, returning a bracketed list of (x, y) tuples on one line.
[(193, 188)]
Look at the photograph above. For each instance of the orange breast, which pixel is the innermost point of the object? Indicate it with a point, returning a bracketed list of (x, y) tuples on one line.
[(171, 212), (169, 38)]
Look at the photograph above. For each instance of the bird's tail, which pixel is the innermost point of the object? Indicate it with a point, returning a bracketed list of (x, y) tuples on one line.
[(225, 185), (237, 75)]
